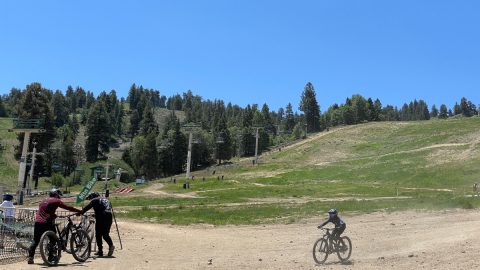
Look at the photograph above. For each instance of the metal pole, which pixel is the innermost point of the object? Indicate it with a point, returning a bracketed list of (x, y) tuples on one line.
[(23, 167), (116, 225), (32, 168), (189, 155), (256, 147)]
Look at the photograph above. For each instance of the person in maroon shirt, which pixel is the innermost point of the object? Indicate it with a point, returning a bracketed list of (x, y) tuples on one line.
[(45, 217)]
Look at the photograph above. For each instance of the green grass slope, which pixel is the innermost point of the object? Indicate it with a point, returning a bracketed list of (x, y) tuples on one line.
[(369, 167), (8, 164)]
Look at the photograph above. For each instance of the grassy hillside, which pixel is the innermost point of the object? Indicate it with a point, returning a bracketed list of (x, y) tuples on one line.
[(370, 167), (389, 165), (8, 165)]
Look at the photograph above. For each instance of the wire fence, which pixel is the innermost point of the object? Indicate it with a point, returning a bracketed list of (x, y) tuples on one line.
[(16, 234)]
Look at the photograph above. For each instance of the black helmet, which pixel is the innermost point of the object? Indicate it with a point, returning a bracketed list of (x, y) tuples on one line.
[(92, 195), (55, 192), (7, 197), (332, 212)]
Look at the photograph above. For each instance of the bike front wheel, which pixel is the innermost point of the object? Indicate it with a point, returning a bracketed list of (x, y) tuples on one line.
[(320, 251), (344, 248), (50, 248), (80, 245)]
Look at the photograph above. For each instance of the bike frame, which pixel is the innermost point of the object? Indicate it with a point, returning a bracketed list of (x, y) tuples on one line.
[(63, 234), (332, 242)]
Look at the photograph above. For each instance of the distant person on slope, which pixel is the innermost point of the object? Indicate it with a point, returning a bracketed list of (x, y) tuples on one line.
[(333, 217), (103, 217), (45, 218)]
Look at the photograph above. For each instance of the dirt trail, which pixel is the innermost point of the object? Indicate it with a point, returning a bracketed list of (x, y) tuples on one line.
[(404, 240), (156, 190), (435, 146)]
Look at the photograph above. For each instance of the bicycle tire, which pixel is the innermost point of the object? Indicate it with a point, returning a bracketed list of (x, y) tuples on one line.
[(344, 248), (49, 248), (80, 245), (320, 251)]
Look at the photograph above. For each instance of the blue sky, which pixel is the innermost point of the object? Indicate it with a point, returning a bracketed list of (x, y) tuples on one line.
[(247, 52)]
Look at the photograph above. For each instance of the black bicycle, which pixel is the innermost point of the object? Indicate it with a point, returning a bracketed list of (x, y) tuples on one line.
[(329, 244), (87, 223), (53, 242)]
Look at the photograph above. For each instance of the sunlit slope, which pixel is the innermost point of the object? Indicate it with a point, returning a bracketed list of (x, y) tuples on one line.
[(437, 153), (363, 168)]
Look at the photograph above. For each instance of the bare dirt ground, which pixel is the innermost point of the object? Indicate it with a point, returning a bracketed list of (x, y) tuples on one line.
[(405, 240)]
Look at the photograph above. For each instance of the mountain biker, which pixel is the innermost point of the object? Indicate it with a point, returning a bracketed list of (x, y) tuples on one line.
[(333, 217), (103, 216), (45, 218)]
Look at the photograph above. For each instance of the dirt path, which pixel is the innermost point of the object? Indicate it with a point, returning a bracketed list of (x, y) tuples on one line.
[(156, 190), (435, 146), (405, 240)]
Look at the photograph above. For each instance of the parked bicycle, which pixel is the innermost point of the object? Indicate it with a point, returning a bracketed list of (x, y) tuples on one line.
[(329, 245), (53, 242), (87, 223)]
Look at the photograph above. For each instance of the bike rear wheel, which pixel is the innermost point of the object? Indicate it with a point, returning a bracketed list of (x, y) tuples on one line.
[(344, 248), (320, 251), (50, 248), (80, 245)]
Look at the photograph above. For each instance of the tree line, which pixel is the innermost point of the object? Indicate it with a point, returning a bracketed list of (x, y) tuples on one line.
[(221, 131)]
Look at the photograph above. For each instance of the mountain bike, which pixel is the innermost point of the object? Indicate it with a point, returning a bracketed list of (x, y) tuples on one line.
[(87, 223), (53, 242), (329, 244)]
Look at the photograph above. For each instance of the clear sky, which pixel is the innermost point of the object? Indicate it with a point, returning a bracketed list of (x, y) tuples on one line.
[(247, 52)]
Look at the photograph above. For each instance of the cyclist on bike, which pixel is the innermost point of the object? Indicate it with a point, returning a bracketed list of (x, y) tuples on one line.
[(45, 218), (333, 217), (103, 216)]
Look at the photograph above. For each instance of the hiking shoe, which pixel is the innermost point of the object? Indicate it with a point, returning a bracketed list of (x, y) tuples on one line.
[(98, 253), (110, 250), (30, 260)]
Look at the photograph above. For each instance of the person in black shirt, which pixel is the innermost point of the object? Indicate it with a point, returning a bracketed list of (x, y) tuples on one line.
[(103, 216), (340, 226)]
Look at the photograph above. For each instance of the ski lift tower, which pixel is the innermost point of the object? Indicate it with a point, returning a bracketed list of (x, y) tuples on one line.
[(190, 128), (28, 127), (256, 127)]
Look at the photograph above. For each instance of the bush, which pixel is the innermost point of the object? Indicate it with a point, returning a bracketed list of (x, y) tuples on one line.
[(57, 180)]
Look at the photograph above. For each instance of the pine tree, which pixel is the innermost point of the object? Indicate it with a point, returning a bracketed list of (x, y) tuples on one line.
[(60, 110), (35, 104), (3, 112), (134, 124), (150, 163), (90, 100), (81, 97), (148, 124), (443, 112), (223, 142), (309, 105), (74, 124), (98, 132), (67, 156), (434, 111), (289, 118), (71, 99)]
